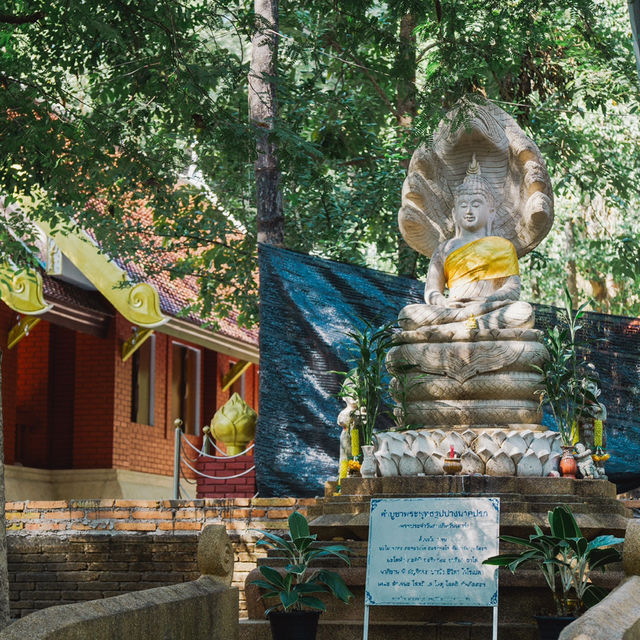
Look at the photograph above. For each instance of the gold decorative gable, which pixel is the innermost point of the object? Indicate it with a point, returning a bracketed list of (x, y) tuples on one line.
[(21, 290), (138, 303)]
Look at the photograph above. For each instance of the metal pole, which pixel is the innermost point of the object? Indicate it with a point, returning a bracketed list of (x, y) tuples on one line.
[(495, 623), (176, 463), (365, 633)]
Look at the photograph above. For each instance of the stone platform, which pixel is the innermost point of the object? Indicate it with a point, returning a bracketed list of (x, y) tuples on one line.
[(524, 502)]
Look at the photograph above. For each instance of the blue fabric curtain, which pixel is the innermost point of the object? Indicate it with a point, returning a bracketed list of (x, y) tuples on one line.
[(307, 304)]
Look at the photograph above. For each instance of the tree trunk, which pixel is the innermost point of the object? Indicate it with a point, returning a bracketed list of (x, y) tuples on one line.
[(263, 111), (406, 109), (406, 72), (4, 571)]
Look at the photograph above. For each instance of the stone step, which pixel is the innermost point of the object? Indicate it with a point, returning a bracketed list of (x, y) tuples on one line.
[(534, 504), (340, 630), (476, 485), (519, 523)]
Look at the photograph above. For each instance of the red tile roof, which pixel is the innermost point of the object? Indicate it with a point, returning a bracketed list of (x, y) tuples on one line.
[(177, 294)]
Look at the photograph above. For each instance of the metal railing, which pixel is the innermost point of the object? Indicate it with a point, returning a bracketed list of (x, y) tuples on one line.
[(182, 460)]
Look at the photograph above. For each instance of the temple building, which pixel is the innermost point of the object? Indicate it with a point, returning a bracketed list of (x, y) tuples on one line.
[(95, 375)]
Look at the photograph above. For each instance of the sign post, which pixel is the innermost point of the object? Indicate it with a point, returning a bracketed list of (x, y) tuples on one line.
[(429, 552)]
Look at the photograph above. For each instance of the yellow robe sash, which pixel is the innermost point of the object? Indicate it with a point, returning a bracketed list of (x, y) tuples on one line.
[(482, 259)]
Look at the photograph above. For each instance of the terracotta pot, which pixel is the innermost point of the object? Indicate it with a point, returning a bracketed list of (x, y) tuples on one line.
[(568, 466)]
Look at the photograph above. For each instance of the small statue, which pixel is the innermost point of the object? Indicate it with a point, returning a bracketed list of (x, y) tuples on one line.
[(585, 463), (348, 419), (599, 458)]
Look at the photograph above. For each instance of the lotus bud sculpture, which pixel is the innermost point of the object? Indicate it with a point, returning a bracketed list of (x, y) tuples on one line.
[(234, 424)]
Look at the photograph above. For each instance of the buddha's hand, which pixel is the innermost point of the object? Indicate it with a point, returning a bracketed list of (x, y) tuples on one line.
[(435, 298), (457, 303)]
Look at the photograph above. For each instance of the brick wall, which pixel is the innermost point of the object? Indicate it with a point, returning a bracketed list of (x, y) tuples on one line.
[(103, 434), (32, 394), (65, 551), (243, 486), (49, 570), (93, 413), (143, 447)]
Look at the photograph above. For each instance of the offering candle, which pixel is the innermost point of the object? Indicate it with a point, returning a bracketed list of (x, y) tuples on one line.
[(452, 453)]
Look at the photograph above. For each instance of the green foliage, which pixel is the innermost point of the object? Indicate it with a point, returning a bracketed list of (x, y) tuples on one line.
[(366, 382), (566, 559), (108, 103), (108, 106), (570, 386), (298, 586)]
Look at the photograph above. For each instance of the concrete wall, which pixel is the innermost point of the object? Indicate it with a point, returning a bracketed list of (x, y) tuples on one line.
[(22, 483), (200, 610)]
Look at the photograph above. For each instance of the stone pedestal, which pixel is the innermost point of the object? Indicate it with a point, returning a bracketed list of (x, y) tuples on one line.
[(524, 502)]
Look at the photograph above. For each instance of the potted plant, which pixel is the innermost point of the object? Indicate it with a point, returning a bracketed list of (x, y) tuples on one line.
[(366, 381), (566, 559), (295, 614), (571, 386), (365, 384)]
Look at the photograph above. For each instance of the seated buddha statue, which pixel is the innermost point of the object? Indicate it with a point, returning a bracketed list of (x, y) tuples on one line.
[(473, 202), (479, 270)]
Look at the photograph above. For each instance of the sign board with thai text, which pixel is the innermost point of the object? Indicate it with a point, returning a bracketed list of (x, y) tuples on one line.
[(429, 552)]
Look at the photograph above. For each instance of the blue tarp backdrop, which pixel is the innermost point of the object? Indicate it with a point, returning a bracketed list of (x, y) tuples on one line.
[(306, 306)]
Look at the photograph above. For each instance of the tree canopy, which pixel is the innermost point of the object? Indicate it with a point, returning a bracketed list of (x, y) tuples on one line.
[(110, 104)]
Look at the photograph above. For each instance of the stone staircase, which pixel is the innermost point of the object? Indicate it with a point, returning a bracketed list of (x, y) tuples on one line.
[(524, 502)]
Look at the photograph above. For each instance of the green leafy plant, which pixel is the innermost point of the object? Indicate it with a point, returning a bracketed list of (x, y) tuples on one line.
[(570, 385), (366, 382), (566, 559), (298, 586)]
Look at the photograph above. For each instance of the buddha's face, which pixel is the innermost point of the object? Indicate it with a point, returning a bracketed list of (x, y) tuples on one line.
[(472, 211)]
